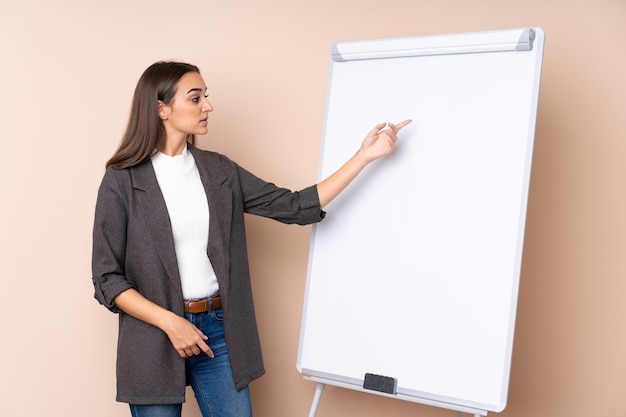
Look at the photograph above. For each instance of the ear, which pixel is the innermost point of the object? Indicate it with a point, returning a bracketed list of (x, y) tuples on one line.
[(163, 110)]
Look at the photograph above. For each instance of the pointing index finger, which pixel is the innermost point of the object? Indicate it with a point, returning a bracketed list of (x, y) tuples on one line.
[(402, 124), (206, 349)]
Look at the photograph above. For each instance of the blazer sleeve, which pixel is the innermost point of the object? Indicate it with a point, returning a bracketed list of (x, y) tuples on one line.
[(268, 200), (109, 242)]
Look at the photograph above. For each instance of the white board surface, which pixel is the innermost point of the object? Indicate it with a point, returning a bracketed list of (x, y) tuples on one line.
[(414, 273)]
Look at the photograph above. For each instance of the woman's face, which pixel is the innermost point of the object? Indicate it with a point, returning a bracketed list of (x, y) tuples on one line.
[(188, 112)]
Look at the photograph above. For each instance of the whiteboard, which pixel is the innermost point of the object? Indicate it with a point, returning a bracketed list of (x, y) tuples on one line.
[(414, 273)]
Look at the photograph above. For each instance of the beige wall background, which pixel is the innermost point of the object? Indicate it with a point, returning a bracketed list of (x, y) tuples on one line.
[(67, 72)]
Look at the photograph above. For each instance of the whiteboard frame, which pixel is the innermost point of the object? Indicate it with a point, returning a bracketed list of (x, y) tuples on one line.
[(526, 39)]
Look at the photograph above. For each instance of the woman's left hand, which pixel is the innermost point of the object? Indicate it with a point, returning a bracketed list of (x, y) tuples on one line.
[(380, 141)]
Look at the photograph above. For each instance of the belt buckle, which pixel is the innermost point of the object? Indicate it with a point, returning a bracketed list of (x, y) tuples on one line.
[(192, 305)]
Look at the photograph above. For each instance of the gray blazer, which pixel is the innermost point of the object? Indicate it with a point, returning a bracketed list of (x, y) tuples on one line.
[(133, 247)]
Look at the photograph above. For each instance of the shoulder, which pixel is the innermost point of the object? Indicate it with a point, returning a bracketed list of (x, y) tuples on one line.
[(205, 154), (113, 188), (113, 176), (212, 160), (118, 177), (123, 180)]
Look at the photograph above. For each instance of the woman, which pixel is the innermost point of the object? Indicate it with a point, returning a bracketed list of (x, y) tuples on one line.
[(169, 249)]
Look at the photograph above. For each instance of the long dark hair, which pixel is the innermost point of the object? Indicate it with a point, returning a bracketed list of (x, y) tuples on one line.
[(145, 128)]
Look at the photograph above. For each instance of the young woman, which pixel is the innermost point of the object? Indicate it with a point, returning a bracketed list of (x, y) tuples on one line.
[(169, 249)]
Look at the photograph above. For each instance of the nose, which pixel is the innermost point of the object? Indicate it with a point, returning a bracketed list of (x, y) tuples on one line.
[(208, 107)]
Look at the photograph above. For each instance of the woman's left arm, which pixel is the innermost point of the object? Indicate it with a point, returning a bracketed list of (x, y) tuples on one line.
[(376, 144)]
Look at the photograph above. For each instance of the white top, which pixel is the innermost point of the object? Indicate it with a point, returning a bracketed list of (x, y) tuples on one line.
[(188, 208)]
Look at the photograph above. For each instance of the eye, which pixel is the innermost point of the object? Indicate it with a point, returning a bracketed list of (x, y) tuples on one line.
[(196, 99)]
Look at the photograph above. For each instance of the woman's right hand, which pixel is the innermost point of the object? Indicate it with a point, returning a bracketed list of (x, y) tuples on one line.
[(186, 338)]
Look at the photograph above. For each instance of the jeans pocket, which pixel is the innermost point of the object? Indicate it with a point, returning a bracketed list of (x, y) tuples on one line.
[(217, 315)]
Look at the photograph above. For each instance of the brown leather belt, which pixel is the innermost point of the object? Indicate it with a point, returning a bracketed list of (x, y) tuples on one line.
[(203, 305)]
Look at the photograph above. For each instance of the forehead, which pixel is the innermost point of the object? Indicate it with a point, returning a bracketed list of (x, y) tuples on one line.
[(190, 82)]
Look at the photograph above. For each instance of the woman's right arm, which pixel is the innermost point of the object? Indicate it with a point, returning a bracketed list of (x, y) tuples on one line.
[(112, 288), (186, 338)]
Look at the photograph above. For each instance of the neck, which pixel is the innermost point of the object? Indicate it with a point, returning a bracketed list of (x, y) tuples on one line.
[(172, 147)]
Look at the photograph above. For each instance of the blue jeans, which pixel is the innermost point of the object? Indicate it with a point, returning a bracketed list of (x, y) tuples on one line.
[(211, 379)]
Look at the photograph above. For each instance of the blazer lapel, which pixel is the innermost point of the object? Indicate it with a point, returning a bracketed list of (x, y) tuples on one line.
[(152, 203), (220, 200)]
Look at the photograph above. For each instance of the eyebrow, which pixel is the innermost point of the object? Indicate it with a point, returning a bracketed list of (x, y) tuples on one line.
[(194, 89)]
